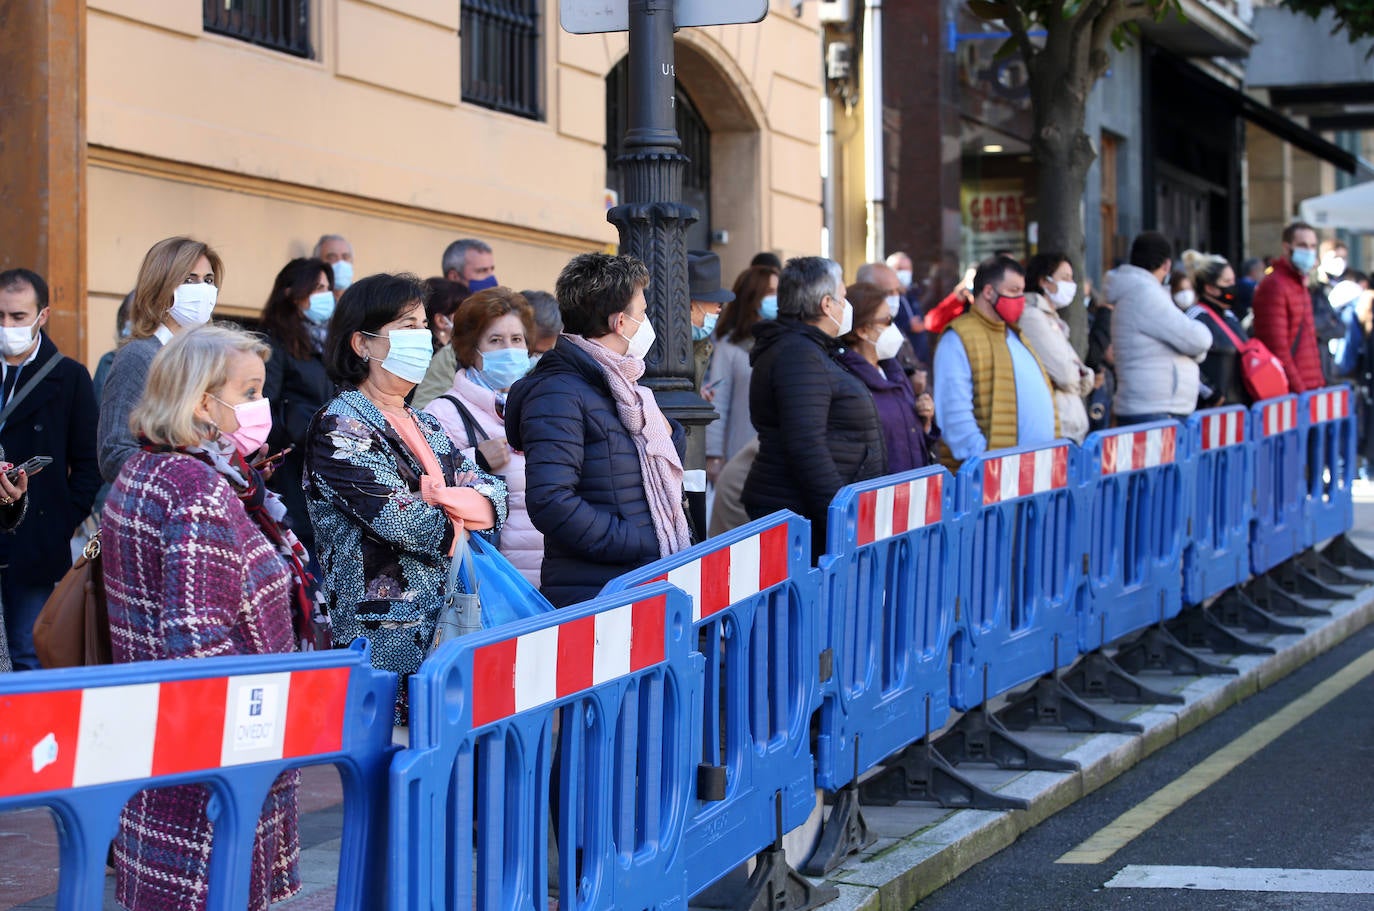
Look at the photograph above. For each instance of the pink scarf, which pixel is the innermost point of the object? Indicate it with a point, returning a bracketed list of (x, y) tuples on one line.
[(659, 465)]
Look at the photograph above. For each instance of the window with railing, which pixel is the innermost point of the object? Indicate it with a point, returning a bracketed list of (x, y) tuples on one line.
[(282, 25), (501, 56)]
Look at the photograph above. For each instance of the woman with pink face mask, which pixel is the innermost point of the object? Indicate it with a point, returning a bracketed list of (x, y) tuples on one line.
[(197, 564)]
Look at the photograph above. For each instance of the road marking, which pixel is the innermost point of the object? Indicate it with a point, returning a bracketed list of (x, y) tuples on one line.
[(1111, 838), (1245, 879)]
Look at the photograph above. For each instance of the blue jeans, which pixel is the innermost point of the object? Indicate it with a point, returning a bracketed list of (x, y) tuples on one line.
[(22, 601), (1123, 419)]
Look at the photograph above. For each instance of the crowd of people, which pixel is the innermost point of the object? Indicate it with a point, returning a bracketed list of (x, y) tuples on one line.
[(307, 483)]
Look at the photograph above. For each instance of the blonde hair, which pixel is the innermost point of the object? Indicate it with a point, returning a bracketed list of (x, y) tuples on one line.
[(1204, 268), (166, 265), (193, 363)]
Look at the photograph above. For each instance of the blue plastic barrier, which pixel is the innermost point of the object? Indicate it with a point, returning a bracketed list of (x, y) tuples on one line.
[(594, 700), (1280, 483), (1135, 532), (888, 600), (1221, 503), (1019, 572), (754, 606), (83, 741), (1328, 418)]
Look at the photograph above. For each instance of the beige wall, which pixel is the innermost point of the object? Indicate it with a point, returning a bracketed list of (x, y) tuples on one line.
[(258, 152)]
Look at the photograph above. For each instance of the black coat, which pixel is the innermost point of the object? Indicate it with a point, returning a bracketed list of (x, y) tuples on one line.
[(818, 427), (1221, 370), (298, 388), (56, 419), (583, 485)]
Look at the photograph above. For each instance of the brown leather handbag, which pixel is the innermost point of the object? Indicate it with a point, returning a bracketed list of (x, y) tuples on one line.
[(73, 629)]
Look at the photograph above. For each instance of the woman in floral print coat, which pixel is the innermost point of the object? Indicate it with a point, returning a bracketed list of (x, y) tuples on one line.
[(386, 489)]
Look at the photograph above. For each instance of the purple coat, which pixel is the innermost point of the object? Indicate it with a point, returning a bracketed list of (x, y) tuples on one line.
[(905, 438), (189, 575)]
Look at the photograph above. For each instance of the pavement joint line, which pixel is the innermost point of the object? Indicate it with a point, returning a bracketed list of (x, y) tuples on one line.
[(952, 846), (1111, 838)]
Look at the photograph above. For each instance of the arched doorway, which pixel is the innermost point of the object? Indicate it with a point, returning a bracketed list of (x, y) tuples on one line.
[(696, 145)]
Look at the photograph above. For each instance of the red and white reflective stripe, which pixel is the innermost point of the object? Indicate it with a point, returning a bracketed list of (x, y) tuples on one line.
[(1329, 406), (891, 511), (1025, 473), (1221, 430), (533, 670), (1134, 450), (730, 574), (77, 738), (1279, 417)]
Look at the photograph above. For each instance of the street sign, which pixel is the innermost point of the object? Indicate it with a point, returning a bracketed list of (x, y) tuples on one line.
[(589, 17)]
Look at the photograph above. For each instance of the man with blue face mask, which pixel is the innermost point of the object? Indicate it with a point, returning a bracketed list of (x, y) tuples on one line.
[(1283, 310), (703, 279), (338, 252), (472, 262)]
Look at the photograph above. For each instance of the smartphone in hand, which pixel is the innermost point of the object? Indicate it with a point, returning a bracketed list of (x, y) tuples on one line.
[(32, 467)]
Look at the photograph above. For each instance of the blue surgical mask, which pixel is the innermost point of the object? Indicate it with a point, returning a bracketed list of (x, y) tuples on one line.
[(768, 307), (708, 326), (483, 284), (503, 366), (410, 353), (321, 306), (343, 274), (1304, 259)]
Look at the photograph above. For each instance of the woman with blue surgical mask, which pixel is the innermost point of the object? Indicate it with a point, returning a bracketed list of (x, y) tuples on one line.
[(389, 493), (178, 287), (727, 376), (294, 320), (491, 337)]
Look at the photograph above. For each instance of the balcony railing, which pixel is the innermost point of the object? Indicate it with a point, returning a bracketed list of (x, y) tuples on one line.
[(501, 62), (282, 25)]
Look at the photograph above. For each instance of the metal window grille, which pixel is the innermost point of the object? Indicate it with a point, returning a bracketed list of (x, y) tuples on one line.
[(282, 25), (501, 55)]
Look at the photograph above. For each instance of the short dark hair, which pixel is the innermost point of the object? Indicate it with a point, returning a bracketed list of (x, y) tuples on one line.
[(805, 283), (16, 279), (768, 260), (992, 271), (1041, 267), (368, 305), (1150, 250), (442, 297), (1291, 231), (593, 287)]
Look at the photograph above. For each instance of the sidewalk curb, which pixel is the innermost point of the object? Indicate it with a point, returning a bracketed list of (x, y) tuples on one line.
[(898, 876)]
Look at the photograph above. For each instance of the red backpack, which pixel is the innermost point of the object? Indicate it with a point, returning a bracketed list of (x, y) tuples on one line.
[(1260, 371)]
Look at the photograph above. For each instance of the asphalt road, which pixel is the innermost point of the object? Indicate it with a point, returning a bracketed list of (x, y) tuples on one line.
[(1303, 802)]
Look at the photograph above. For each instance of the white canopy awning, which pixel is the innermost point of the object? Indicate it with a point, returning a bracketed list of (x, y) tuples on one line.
[(1351, 208)]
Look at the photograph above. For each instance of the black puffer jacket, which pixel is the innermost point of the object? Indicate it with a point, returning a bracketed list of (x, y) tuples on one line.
[(583, 485), (818, 427)]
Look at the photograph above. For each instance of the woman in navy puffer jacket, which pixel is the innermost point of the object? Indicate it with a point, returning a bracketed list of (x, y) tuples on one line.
[(603, 465)]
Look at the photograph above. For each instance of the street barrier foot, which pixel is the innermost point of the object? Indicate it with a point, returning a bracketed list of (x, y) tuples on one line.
[(920, 773), (774, 886), (1158, 649), (1048, 702), (1097, 676), (1294, 578), (1328, 572), (1271, 596), (1235, 608), (1343, 552), (844, 834), (980, 737), (1197, 628)]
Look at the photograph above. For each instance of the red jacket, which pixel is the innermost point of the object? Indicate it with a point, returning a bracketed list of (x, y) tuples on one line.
[(1283, 321)]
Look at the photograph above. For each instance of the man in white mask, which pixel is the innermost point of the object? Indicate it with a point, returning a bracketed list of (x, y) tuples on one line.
[(47, 408), (338, 252), (914, 356)]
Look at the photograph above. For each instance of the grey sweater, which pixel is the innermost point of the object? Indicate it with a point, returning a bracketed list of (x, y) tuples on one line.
[(123, 388)]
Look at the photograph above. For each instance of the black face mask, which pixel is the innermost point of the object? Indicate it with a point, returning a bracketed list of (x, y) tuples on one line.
[(1225, 296)]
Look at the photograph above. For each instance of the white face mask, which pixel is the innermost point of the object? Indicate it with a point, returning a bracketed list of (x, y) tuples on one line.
[(904, 276), (642, 340), (1186, 299), (889, 342), (17, 340), (1334, 266), (192, 305), (846, 322), (1063, 293), (894, 305)]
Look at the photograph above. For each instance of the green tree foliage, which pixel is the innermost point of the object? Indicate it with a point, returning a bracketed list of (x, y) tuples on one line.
[(1354, 17)]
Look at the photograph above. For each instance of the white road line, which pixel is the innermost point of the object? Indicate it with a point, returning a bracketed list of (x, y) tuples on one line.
[(1245, 879)]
